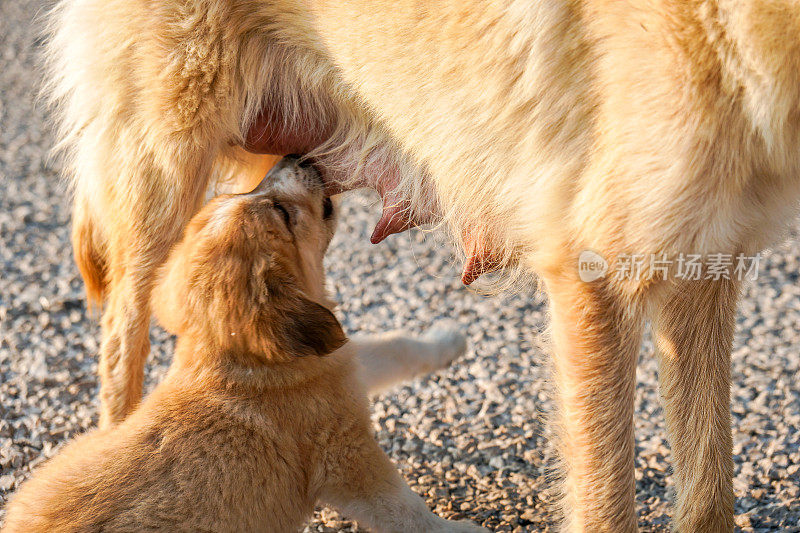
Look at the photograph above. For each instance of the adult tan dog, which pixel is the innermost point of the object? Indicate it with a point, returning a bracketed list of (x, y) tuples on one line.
[(248, 430), (534, 130)]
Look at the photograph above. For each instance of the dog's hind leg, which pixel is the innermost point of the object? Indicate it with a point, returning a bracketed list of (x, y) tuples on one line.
[(143, 228), (597, 330), (148, 98), (393, 357), (694, 329), (129, 211)]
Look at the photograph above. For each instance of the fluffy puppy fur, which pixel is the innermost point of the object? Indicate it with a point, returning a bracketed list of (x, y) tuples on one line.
[(262, 412), (535, 129)]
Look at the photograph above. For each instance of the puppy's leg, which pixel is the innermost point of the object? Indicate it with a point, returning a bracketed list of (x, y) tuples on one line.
[(694, 330), (394, 357), (368, 488), (596, 334)]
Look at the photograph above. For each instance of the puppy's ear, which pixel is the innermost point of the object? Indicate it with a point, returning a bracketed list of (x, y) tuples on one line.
[(307, 328)]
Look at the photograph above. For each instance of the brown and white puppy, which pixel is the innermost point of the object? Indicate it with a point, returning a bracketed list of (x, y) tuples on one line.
[(535, 130), (263, 412)]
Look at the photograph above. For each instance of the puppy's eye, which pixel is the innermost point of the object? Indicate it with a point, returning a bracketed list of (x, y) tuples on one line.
[(327, 208), (284, 213)]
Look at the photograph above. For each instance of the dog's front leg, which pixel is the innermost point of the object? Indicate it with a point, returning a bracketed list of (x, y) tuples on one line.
[(694, 329), (368, 487), (596, 334)]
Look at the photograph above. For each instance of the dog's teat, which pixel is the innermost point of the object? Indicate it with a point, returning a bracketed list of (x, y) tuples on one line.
[(394, 219), (480, 257)]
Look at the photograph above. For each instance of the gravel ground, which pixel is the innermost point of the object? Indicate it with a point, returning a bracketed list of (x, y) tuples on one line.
[(472, 439)]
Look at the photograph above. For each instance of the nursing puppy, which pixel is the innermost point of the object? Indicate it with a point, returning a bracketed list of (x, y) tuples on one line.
[(263, 412), (536, 130)]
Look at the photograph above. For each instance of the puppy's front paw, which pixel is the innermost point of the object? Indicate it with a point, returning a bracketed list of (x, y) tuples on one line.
[(462, 526), (446, 344)]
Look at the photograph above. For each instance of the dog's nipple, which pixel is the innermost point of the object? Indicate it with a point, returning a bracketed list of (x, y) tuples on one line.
[(480, 259), (394, 219)]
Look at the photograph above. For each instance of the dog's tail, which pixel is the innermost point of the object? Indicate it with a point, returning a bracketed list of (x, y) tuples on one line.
[(90, 254)]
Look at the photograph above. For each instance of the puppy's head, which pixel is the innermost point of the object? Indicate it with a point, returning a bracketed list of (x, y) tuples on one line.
[(248, 275)]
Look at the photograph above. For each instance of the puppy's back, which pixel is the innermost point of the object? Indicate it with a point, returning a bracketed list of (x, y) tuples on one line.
[(180, 462), (56, 497)]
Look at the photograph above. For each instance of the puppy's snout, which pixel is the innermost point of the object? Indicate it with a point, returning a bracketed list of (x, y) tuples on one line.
[(296, 159), (291, 174)]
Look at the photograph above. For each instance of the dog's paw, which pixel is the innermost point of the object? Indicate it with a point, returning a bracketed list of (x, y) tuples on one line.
[(446, 343), (462, 526)]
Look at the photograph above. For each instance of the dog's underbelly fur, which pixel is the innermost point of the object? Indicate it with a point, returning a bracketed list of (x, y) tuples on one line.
[(547, 127), (617, 143), (620, 140)]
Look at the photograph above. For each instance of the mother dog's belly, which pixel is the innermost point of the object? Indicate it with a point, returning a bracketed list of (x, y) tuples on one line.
[(543, 142), (274, 133), (281, 130), (495, 107)]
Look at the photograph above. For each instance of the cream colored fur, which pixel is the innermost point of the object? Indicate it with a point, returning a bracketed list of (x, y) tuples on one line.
[(639, 126)]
